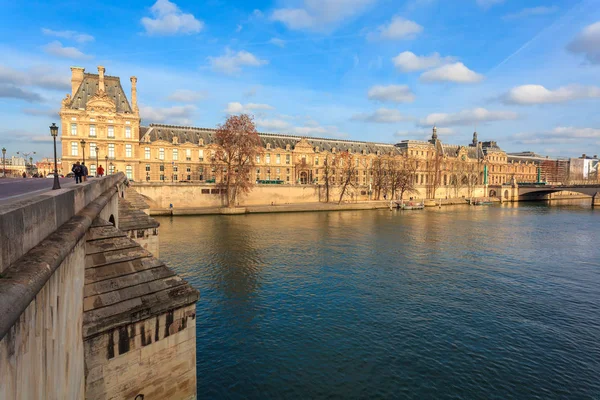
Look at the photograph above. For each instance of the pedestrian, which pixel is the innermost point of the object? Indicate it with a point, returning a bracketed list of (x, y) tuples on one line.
[(77, 171), (100, 171), (84, 172)]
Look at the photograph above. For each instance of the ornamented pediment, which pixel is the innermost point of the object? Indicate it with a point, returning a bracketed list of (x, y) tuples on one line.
[(303, 145), (100, 102)]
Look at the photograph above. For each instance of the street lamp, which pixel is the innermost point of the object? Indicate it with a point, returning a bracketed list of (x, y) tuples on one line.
[(106, 163), (24, 154), (54, 133), (83, 148), (97, 150), (4, 162)]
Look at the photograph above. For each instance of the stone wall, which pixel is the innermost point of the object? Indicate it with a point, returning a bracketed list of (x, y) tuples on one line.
[(189, 195), (147, 238), (155, 358), (41, 357)]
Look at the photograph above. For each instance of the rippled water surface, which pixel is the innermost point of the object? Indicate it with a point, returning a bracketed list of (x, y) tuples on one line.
[(483, 302)]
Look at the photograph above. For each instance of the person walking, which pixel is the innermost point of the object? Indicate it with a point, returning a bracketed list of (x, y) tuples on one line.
[(84, 171), (100, 171), (77, 171)]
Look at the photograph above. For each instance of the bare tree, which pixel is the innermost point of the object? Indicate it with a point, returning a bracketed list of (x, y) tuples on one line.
[(406, 176), (239, 144), (380, 179), (348, 173), (328, 162)]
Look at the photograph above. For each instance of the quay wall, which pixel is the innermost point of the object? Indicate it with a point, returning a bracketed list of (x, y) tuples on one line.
[(191, 195)]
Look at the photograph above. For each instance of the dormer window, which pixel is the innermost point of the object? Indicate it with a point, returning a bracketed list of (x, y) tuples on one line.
[(268, 146), (287, 147), (201, 142), (175, 140), (317, 149)]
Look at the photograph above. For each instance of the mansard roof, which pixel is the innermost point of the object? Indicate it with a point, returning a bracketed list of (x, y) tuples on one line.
[(186, 134), (89, 87)]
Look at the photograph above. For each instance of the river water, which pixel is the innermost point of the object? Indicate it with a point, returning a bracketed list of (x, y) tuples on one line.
[(467, 302)]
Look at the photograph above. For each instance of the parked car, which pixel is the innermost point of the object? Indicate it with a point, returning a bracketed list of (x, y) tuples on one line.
[(70, 175), (50, 175)]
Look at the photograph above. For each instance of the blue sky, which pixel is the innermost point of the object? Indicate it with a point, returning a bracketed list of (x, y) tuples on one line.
[(524, 73)]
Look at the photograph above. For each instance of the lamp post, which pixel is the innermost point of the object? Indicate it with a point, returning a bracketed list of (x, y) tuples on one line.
[(54, 133), (83, 148), (97, 150), (4, 162), (106, 163)]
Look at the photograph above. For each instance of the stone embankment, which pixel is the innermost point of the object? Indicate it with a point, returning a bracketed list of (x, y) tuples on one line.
[(302, 207)]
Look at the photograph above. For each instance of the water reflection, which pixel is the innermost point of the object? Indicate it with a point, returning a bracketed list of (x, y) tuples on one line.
[(465, 302)]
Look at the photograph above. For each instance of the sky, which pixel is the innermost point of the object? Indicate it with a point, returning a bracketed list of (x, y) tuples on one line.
[(523, 73)]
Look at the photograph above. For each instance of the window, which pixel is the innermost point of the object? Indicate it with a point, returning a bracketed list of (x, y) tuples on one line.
[(278, 159), (93, 130), (93, 150), (175, 154), (316, 160), (258, 159), (147, 153), (188, 154), (128, 132), (93, 169), (111, 131), (268, 158), (287, 158), (111, 150), (111, 169), (73, 129), (161, 153), (162, 168), (128, 150), (162, 177), (175, 168), (147, 167), (74, 149), (201, 155), (129, 172)]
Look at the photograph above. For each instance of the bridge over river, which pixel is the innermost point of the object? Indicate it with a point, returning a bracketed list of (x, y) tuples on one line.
[(541, 191), (86, 309)]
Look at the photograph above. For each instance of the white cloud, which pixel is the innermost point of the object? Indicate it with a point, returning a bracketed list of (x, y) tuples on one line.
[(187, 96), (13, 92), (238, 28), (39, 76), (382, 116), (558, 135), (76, 36), (532, 12), (408, 61), (488, 3), (239, 108), (232, 62), (392, 93), (538, 94), (456, 72), (320, 15), (398, 28), (275, 125), (56, 49), (588, 43), (170, 20), (467, 117), (277, 42), (181, 115)]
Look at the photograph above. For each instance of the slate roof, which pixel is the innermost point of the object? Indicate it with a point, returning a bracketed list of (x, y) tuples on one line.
[(89, 87), (124, 283), (193, 135)]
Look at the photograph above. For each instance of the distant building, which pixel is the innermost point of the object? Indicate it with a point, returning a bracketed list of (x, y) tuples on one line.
[(46, 166)]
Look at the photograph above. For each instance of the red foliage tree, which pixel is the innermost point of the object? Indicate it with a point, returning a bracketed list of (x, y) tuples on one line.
[(239, 145)]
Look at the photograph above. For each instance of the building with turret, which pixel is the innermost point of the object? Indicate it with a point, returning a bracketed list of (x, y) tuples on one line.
[(100, 124)]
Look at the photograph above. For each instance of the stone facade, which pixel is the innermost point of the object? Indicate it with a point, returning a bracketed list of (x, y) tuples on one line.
[(98, 112)]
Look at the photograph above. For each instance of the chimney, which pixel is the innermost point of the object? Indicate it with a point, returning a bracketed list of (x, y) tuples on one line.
[(134, 93), (101, 78), (583, 155), (76, 79)]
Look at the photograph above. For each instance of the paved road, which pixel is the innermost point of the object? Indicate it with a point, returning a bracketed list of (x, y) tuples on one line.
[(13, 189)]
